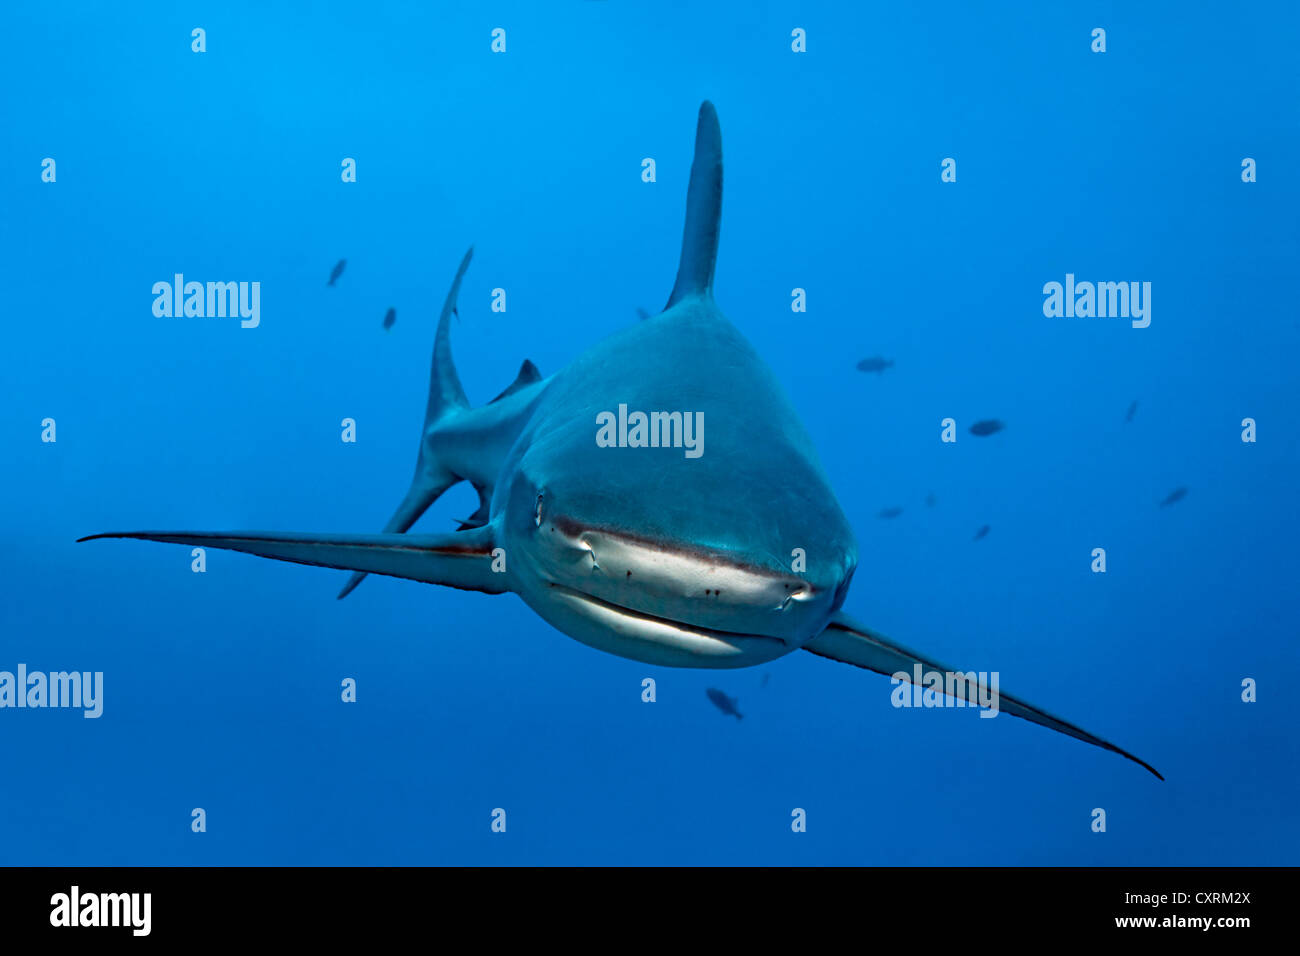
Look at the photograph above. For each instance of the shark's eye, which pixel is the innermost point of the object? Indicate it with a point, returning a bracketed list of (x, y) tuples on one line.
[(537, 516)]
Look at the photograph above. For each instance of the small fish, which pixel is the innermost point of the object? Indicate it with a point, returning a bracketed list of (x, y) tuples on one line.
[(1178, 494), (876, 364), (390, 318), (642, 314), (888, 513), (982, 532), (930, 500), (724, 703), (767, 676), (337, 271), (1132, 410), (986, 426)]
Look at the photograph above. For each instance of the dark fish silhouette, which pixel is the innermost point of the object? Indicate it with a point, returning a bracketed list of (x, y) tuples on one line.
[(889, 513), (930, 500), (390, 318), (337, 271), (724, 703), (982, 532), (1132, 410), (642, 314), (1178, 494), (986, 426), (766, 677), (876, 364)]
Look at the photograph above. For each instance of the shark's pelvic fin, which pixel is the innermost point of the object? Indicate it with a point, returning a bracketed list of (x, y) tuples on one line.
[(458, 559), (479, 517), (848, 641), (528, 374), (703, 211)]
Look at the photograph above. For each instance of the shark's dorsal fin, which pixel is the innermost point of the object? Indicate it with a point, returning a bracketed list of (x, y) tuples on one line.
[(527, 375), (703, 211)]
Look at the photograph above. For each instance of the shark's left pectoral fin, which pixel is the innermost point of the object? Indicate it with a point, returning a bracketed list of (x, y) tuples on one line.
[(848, 641), (460, 560)]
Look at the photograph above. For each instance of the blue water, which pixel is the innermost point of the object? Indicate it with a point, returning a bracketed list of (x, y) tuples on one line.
[(222, 689)]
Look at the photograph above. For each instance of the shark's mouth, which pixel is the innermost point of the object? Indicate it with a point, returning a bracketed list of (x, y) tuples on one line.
[(642, 625)]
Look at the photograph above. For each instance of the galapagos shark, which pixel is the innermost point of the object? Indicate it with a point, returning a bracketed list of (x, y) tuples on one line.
[(729, 559)]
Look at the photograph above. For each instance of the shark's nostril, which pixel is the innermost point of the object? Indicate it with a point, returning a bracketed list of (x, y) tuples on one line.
[(585, 545), (798, 594)]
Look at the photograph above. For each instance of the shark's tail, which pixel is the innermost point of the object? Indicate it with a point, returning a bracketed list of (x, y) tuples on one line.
[(446, 395), (458, 443), (447, 400)]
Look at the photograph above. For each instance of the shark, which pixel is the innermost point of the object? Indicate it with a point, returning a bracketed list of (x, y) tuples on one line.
[(731, 559)]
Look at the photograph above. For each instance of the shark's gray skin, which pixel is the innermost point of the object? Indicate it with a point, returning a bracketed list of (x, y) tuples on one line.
[(730, 559)]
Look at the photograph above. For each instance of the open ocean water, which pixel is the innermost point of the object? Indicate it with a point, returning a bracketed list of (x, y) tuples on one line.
[(221, 690)]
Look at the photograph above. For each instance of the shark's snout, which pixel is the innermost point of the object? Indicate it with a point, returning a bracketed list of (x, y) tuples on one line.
[(716, 589)]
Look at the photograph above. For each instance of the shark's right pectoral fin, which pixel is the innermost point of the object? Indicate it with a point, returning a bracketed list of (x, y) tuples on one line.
[(461, 559), (419, 496), (849, 642)]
